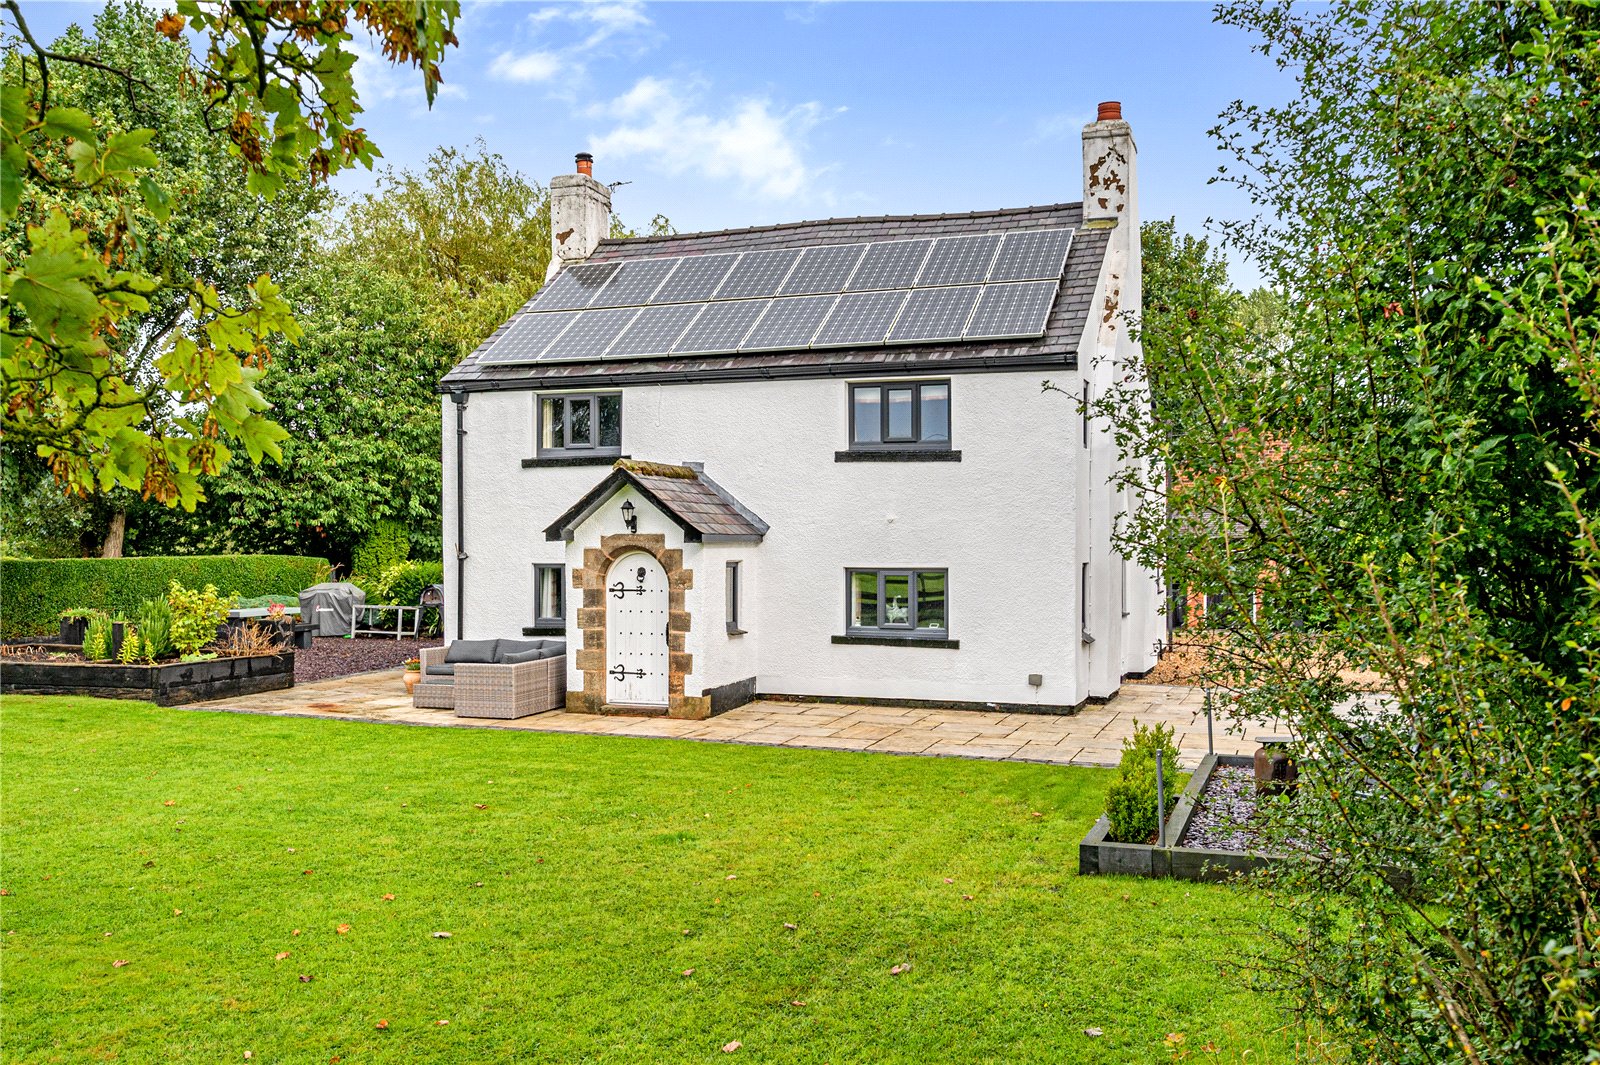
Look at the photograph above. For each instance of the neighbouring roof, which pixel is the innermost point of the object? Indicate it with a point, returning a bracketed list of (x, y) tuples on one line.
[(1057, 347), (703, 509)]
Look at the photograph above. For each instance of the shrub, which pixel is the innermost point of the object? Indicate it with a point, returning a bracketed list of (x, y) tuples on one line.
[(97, 638), (196, 616), (38, 590), (129, 652), (403, 582), (387, 544), (1131, 799), (154, 622)]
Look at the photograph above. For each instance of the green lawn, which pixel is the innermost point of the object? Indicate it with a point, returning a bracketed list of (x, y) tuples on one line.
[(579, 878)]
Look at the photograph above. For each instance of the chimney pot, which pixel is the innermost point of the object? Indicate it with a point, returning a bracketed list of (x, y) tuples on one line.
[(1111, 111), (586, 161)]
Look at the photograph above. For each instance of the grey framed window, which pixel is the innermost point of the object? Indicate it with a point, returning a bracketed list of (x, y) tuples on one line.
[(899, 415), (911, 603), (734, 591), (580, 425), (549, 595), (1086, 415)]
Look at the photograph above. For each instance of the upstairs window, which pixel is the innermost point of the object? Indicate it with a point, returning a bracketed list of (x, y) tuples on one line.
[(908, 414), (897, 602), (580, 425)]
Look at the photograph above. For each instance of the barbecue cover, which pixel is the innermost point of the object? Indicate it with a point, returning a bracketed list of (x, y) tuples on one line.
[(327, 606)]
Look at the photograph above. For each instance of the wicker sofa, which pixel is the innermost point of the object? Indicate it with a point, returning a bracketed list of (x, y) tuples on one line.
[(494, 678)]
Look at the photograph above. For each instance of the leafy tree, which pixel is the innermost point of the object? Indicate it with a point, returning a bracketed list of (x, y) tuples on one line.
[(1407, 468), (275, 81), (356, 395)]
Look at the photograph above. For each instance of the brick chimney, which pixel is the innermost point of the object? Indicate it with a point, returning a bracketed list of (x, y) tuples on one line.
[(580, 215), (1109, 167)]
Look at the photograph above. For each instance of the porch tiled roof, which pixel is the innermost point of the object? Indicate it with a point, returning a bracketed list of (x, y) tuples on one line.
[(1057, 347), (701, 507)]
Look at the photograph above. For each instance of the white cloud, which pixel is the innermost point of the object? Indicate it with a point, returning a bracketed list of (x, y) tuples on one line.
[(1059, 126), (530, 66), (754, 143), (570, 34)]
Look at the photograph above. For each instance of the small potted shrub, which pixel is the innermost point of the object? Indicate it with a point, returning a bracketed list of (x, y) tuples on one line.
[(413, 673)]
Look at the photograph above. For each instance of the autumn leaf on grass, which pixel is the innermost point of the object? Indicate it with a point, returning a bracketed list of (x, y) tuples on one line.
[(481, 805), (441, 935), (177, 912), (388, 898), (1093, 1033), (967, 897), (342, 929), (295, 932), (441, 1023), (797, 1002), (381, 1025), (898, 969), (790, 927), (688, 972), (304, 979), (4, 891), (949, 880), (282, 954), (729, 1048), (119, 963)]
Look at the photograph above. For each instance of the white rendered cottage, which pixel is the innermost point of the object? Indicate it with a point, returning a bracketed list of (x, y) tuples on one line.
[(810, 459)]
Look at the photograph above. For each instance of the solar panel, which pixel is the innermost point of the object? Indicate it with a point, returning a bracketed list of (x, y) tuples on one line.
[(1032, 253), (935, 314), (823, 269), (527, 337), (574, 287), (591, 334), (959, 260), (696, 278), (720, 327), (889, 264), (860, 318), (654, 331), (1017, 310), (759, 273), (633, 284), (788, 323)]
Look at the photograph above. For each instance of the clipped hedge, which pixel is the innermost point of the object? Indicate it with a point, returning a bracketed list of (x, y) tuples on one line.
[(34, 592)]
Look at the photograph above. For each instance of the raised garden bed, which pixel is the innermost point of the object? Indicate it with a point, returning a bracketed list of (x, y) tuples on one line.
[(166, 684), (1226, 852)]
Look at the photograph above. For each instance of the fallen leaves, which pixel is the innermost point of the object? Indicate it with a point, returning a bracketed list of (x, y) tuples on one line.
[(797, 1002), (308, 872), (441, 1023), (731, 876), (170, 802), (388, 898), (688, 972), (904, 967), (1093, 1033), (440, 935), (729, 1048), (177, 912), (381, 1026), (4, 891), (966, 898), (282, 954), (949, 880), (481, 805), (342, 929), (119, 963), (790, 927), (295, 932), (304, 979)]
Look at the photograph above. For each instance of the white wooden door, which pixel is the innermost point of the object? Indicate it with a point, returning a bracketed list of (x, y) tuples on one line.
[(636, 631)]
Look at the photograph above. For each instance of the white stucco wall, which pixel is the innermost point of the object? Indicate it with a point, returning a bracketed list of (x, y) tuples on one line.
[(1003, 521)]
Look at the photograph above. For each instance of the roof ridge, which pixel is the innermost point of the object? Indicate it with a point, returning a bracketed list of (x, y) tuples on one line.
[(645, 468), (855, 220)]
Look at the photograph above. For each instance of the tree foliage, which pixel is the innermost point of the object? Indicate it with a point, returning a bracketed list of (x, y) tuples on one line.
[(1406, 467), (275, 82)]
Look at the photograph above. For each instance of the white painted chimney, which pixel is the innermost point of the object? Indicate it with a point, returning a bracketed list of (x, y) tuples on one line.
[(1110, 185), (580, 215)]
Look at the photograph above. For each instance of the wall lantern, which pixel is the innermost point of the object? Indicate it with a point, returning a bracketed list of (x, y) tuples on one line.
[(629, 518)]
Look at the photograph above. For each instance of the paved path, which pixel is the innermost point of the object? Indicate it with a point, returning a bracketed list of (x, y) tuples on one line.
[(1091, 737)]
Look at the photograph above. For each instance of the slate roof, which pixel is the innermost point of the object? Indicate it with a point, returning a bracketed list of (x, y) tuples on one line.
[(703, 509), (1057, 347)]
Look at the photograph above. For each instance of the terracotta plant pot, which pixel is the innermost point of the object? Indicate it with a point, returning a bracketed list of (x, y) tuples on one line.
[(412, 677)]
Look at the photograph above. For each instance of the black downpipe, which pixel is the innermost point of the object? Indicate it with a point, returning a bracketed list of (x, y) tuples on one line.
[(460, 399)]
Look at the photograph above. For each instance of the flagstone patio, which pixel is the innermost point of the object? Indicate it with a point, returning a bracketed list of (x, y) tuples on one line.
[(1091, 737)]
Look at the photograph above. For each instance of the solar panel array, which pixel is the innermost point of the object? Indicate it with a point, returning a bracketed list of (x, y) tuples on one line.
[(982, 286)]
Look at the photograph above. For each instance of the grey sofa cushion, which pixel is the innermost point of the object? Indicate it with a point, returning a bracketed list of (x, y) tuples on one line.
[(472, 651), (537, 654), (516, 647), (558, 646), (440, 671)]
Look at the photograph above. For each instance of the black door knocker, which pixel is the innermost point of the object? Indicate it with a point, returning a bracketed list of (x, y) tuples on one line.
[(621, 591)]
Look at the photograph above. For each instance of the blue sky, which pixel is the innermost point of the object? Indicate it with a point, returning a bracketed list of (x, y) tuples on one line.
[(734, 114)]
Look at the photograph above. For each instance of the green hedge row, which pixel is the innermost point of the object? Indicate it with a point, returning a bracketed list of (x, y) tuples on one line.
[(34, 592)]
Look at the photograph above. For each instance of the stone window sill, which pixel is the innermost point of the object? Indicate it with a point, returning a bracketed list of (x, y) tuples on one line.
[(570, 460), (899, 454), (544, 630), (896, 641)]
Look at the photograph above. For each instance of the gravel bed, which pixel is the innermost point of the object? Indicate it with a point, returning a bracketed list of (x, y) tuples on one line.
[(336, 656), (1222, 818)]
